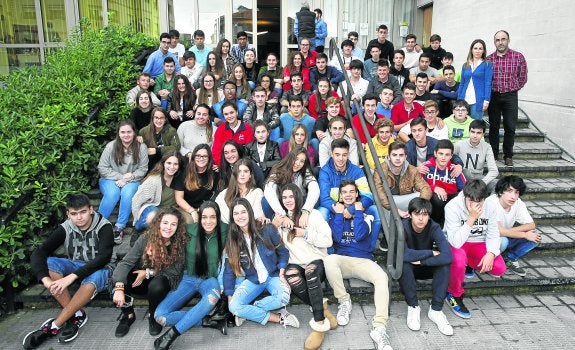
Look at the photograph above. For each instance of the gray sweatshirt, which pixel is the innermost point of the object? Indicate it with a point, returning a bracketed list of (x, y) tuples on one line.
[(475, 159), (108, 168), (483, 230)]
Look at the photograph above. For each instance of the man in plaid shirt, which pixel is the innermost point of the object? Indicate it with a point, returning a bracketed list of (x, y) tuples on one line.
[(509, 76)]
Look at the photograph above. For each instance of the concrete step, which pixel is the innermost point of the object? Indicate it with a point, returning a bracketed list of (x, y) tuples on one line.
[(534, 150), (522, 122), (555, 238), (550, 188), (525, 135), (552, 212), (538, 168)]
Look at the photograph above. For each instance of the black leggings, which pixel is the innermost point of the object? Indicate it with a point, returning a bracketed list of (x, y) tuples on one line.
[(306, 285), (154, 289)]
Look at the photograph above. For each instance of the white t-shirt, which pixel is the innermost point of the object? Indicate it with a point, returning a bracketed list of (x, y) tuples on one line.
[(257, 261), (518, 212)]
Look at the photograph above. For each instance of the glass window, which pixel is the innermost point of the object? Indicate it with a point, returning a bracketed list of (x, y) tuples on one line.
[(54, 20), (18, 22), (211, 20), (293, 8), (372, 13), (92, 10), (13, 58), (242, 18), (143, 16)]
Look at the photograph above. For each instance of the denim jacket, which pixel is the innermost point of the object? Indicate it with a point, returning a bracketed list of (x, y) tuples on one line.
[(273, 259)]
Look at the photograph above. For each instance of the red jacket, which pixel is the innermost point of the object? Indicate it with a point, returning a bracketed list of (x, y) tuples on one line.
[(243, 136), (399, 115), (311, 106), (310, 59), (356, 123), (442, 178)]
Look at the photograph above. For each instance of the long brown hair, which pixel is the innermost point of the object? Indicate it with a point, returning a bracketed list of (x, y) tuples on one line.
[(158, 169), (203, 93), (282, 172), (234, 187), (292, 143), (133, 149), (470, 54), (296, 214), (209, 127), (219, 68), (165, 255), (149, 135), (245, 86), (236, 244), (188, 96), (192, 181)]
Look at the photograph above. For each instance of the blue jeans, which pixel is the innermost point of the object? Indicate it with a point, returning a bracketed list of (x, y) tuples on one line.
[(112, 194), (141, 223), (259, 312), (64, 267), (169, 308), (515, 248)]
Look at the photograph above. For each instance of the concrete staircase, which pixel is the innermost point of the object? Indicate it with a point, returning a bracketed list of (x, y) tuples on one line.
[(549, 175)]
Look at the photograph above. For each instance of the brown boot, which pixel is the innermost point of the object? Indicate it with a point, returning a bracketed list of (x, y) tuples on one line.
[(329, 316), (314, 340)]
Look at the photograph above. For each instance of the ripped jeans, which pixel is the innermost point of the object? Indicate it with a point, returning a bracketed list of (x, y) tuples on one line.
[(168, 312), (306, 283), (259, 312)]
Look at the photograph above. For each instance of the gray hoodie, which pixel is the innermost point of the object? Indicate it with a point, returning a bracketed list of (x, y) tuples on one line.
[(483, 230)]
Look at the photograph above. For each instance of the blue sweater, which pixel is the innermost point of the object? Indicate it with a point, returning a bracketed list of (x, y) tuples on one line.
[(274, 260), (351, 237), (418, 246), (482, 76)]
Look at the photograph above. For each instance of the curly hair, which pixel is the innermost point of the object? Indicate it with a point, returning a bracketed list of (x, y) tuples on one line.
[(165, 253)]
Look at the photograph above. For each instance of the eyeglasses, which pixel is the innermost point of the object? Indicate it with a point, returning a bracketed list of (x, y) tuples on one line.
[(229, 89), (460, 110)]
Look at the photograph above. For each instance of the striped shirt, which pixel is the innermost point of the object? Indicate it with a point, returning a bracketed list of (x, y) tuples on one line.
[(509, 71)]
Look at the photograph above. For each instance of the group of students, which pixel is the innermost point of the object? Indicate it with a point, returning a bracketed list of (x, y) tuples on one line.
[(243, 189)]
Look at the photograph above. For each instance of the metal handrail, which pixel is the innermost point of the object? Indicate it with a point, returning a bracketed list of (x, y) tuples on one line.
[(393, 229)]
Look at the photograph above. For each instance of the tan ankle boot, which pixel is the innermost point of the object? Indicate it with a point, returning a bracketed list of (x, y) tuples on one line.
[(314, 340), (329, 316)]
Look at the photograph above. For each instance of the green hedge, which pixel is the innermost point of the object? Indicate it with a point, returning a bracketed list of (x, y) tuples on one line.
[(49, 142)]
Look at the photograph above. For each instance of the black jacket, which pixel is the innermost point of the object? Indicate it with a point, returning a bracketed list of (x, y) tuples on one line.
[(271, 155), (306, 23)]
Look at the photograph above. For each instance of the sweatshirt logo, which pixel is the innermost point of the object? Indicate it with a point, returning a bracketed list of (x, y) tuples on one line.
[(443, 178)]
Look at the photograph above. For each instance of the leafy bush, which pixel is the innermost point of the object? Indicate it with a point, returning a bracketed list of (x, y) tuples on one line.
[(54, 122)]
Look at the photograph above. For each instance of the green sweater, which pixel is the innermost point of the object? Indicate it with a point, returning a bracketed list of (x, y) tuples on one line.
[(212, 250)]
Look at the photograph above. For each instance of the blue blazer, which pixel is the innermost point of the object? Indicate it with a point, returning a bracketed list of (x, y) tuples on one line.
[(482, 77)]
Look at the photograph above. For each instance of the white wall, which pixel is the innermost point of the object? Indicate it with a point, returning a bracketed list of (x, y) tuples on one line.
[(543, 32)]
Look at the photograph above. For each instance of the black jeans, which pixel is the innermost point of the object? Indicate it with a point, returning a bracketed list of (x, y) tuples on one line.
[(306, 285), (154, 289), (438, 208), (440, 276), (506, 105)]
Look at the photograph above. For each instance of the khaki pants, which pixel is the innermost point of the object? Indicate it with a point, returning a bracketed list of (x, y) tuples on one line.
[(338, 267)]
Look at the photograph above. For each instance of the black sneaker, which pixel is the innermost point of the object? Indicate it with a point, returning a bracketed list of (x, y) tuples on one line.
[(126, 318), (514, 267), (457, 306), (68, 333), (469, 272), (79, 321), (118, 235), (34, 339)]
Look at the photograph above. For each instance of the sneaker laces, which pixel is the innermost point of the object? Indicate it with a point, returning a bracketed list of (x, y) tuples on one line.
[(515, 264), (383, 336), (343, 308)]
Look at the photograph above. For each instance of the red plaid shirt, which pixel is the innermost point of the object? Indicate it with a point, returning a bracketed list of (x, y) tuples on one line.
[(509, 71)]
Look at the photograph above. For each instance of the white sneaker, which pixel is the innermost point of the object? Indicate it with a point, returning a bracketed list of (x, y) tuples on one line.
[(380, 337), (287, 319), (413, 318), (343, 311), (438, 317)]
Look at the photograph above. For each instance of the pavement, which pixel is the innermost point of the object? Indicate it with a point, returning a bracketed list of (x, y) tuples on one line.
[(524, 321)]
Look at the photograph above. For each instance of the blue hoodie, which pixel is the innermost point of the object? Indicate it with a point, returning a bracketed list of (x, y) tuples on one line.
[(330, 179), (352, 237)]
